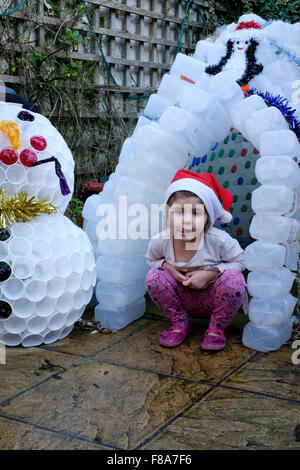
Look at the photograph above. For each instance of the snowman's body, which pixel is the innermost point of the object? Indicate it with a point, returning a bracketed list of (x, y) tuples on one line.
[(47, 269)]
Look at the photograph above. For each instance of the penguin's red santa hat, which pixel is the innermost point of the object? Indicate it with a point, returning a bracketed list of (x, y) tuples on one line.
[(249, 25)]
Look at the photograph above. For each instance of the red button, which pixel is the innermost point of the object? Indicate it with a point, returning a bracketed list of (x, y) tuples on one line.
[(8, 156), (28, 157), (38, 142)]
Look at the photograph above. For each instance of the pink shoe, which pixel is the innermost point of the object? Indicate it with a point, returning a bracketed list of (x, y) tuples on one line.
[(213, 343), (171, 338)]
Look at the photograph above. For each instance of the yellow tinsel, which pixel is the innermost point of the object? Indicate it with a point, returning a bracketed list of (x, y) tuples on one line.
[(21, 208)]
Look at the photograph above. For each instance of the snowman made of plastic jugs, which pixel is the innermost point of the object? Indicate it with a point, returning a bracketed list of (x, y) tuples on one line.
[(47, 267)]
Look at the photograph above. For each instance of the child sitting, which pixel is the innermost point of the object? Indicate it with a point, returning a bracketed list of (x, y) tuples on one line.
[(196, 269)]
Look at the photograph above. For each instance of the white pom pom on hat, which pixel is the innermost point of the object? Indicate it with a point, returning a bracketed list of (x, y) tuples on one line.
[(208, 189), (225, 218)]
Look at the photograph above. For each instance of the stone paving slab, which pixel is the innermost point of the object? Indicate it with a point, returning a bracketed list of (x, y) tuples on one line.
[(18, 436), (124, 391), (187, 360), (84, 344), (272, 373), (114, 405), (23, 368), (232, 420)]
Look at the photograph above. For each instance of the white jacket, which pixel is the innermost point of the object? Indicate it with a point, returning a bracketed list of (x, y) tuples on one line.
[(219, 250)]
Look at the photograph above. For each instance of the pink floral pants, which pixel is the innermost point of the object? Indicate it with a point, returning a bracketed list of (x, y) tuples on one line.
[(220, 301)]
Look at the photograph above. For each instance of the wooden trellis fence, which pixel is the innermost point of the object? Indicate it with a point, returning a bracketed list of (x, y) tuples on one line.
[(139, 39), (125, 45)]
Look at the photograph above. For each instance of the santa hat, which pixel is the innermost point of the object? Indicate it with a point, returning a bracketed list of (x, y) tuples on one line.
[(207, 188), (249, 25), (250, 21)]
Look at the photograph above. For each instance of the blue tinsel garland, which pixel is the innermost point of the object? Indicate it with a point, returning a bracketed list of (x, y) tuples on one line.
[(283, 105), (290, 55)]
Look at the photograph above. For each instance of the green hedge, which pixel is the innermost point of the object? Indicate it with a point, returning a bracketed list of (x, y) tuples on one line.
[(267, 9)]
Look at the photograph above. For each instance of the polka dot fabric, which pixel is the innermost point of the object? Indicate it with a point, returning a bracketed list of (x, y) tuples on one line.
[(233, 163)]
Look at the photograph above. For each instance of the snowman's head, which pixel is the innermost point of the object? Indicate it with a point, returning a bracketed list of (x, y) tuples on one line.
[(26, 140)]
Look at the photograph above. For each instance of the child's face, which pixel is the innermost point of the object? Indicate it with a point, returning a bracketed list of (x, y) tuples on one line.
[(188, 217)]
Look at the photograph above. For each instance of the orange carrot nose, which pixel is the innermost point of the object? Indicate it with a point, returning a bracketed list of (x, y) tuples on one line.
[(245, 87), (11, 129)]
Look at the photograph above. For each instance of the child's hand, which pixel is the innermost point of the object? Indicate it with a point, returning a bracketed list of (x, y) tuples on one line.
[(198, 279), (178, 276)]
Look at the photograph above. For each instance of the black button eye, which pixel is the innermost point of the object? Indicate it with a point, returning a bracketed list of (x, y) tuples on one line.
[(246, 42), (237, 42)]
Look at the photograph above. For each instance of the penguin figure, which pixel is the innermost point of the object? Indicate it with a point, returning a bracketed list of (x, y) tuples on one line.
[(240, 59), (243, 53)]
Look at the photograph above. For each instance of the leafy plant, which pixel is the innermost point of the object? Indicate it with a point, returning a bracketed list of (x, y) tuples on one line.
[(75, 208), (70, 37), (268, 9)]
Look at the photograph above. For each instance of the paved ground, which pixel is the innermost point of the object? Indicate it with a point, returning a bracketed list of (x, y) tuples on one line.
[(124, 391)]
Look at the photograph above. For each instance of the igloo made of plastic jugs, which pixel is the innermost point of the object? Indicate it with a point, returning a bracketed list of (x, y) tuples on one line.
[(181, 119), (271, 262), (25, 138), (47, 275), (273, 257), (275, 225), (148, 161), (121, 269)]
